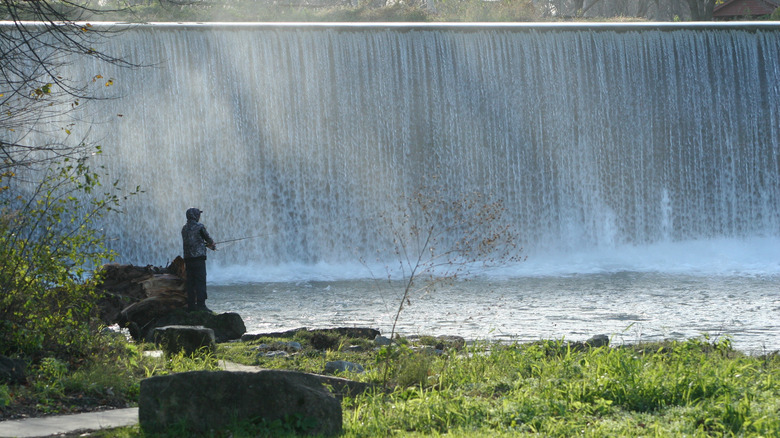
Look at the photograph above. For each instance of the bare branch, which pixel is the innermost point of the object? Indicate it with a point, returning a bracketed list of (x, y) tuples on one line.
[(39, 39)]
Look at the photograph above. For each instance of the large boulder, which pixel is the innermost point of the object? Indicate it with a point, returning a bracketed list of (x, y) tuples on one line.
[(140, 317), (123, 286), (144, 317), (145, 298), (189, 339), (206, 400)]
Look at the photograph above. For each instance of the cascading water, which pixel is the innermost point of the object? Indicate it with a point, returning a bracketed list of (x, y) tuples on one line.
[(641, 164), (595, 137)]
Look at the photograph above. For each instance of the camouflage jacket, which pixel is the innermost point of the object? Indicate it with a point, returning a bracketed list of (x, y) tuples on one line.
[(195, 239)]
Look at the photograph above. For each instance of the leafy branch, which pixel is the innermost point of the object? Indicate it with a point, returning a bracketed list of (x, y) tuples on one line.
[(48, 242)]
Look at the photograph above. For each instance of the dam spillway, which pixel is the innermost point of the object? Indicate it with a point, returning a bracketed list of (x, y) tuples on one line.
[(594, 136)]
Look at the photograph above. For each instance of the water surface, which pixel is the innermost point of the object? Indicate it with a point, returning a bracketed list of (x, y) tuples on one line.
[(627, 306)]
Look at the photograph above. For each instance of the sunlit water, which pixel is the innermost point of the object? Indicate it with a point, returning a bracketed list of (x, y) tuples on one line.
[(711, 295), (628, 306), (599, 140)]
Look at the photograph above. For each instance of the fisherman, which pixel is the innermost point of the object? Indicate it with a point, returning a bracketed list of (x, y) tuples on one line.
[(196, 239)]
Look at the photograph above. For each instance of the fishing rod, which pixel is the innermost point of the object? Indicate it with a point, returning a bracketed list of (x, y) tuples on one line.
[(241, 238)]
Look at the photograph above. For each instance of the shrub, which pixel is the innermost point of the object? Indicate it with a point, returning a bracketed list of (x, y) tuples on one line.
[(5, 396), (413, 370), (48, 243)]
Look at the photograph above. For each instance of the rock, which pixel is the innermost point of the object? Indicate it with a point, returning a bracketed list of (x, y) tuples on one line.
[(209, 400), (226, 326), (145, 298), (428, 350), (12, 370), (141, 317), (341, 387), (349, 332), (124, 285), (342, 366), (440, 343), (594, 342), (274, 353), (445, 342), (382, 341), (321, 340), (191, 339), (353, 332), (598, 341), (292, 346), (285, 334)]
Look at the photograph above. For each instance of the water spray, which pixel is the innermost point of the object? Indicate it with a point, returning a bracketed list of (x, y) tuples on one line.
[(240, 239)]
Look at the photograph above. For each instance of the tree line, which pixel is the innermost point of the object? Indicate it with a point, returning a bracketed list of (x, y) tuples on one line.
[(655, 10), (415, 10)]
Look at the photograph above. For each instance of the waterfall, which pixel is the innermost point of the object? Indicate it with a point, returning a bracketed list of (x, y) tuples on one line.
[(594, 137)]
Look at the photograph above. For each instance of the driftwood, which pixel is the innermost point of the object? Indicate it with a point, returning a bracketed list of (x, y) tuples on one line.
[(144, 298), (129, 290)]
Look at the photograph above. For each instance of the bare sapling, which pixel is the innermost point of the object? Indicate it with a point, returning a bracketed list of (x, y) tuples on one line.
[(440, 238)]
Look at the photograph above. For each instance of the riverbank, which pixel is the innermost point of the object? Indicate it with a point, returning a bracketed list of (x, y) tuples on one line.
[(436, 385)]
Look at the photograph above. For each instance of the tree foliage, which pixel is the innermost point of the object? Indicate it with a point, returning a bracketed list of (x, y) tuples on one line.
[(50, 198), (659, 10), (48, 242), (701, 9)]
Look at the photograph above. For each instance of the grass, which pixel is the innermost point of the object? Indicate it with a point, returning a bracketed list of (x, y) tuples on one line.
[(696, 388), (690, 388)]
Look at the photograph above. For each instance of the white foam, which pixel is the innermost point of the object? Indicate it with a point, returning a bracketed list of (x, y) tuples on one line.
[(717, 257)]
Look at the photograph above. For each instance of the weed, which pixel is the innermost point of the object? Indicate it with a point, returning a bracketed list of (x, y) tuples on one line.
[(5, 396)]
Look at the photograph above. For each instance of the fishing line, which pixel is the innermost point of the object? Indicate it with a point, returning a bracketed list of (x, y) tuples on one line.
[(232, 241), (241, 238)]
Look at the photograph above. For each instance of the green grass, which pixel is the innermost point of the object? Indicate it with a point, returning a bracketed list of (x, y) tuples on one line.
[(695, 388), (681, 389)]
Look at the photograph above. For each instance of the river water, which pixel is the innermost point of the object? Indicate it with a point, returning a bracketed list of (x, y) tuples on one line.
[(681, 291)]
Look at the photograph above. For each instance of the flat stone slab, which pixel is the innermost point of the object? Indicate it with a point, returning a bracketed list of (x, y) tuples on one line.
[(60, 424), (204, 400), (92, 421)]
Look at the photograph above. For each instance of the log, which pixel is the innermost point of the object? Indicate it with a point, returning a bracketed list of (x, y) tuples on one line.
[(124, 286)]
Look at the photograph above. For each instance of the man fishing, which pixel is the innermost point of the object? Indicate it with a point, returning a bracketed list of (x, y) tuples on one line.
[(196, 239)]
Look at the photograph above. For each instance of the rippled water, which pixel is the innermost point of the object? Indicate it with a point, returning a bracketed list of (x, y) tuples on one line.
[(628, 306)]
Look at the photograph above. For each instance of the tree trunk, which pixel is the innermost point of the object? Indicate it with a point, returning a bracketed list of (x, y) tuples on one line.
[(578, 5), (642, 9), (701, 10), (586, 8)]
